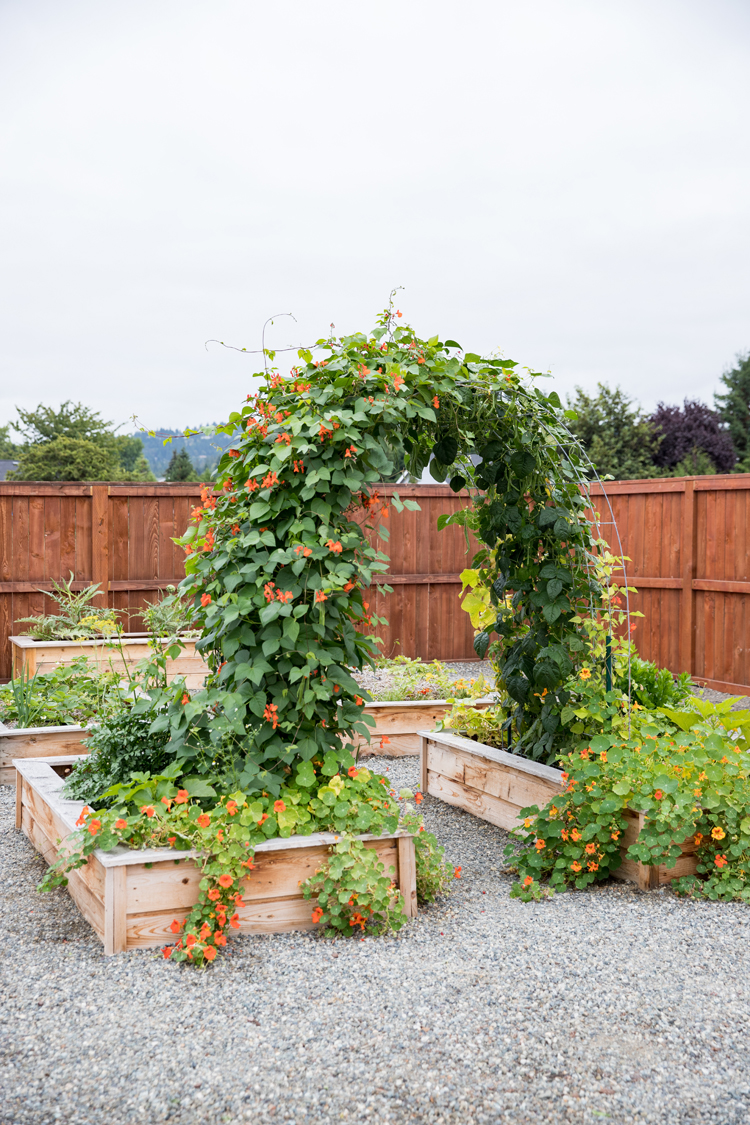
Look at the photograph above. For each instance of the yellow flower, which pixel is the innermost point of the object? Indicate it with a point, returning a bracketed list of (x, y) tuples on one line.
[(718, 833), (585, 674)]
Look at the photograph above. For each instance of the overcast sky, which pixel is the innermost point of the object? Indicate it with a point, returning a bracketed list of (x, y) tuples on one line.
[(565, 180)]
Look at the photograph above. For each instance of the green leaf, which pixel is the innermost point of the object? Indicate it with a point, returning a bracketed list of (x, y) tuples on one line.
[(197, 787), (446, 449), (305, 775)]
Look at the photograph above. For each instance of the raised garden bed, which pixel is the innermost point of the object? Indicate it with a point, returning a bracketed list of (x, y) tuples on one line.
[(131, 898), (495, 786), (30, 656), (37, 742), (401, 721)]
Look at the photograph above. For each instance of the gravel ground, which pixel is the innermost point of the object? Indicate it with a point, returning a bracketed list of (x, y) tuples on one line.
[(605, 1005)]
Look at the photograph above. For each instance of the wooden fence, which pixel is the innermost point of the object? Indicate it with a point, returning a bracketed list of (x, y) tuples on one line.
[(688, 540), (120, 535)]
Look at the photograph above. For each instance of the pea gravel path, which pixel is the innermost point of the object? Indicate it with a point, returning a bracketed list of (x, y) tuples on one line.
[(606, 1006)]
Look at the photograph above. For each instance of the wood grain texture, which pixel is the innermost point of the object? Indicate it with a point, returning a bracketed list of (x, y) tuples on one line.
[(37, 742), (132, 905), (496, 790)]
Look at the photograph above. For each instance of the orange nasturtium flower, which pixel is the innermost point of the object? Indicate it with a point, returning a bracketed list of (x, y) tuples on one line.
[(456, 872), (590, 849), (121, 824), (84, 813), (209, 953), (721, 861), (418, 798), (225, 880), (213, 894), (317, 914), (203, 820), (232, 808), (279, 806), (658, 795), (539, 845), (718, 833), (94, 826), (576, 866), (182, 797), (528, 881), (147, 810), (528, 822), (585, 674), (176, 926), (352, 771)]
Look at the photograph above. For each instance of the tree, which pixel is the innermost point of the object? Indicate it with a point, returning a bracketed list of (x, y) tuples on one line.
[(75, 443), (8, 451), (615, 433), (67, 458), (687, 431), (180, 468), (733, 408)]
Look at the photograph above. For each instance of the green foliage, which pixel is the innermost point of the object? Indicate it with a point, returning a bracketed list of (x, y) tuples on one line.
[(8, 450), (355, 893), (278, 559), (615, 433), (180, 467), (434, 876), (170, 809), (72, 693), (734, 408), (719, 716), (695, 781), (489, 725), (169, 615), (75, 443), (414, 680), (67, 458), (78, 619), (121, 745), (653, 687)]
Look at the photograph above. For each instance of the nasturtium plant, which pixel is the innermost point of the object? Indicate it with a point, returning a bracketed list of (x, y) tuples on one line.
[(279, 565), (692, 784)]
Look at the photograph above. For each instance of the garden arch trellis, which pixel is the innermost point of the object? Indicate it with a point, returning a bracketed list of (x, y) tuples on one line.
[(279, 570)]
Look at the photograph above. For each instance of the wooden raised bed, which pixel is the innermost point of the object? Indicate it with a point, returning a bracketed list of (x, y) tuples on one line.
[(402, 720), (37, 742), (495, 786), (131, 905), (30, 656)]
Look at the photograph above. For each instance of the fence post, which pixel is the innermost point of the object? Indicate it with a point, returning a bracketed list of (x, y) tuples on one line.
[(687, 561), (100, 541)]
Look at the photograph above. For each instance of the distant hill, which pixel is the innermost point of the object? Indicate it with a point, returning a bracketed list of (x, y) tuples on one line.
[(204, 451)]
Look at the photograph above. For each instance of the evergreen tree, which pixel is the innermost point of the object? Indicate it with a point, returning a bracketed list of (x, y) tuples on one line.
[(614, 432), (180, 468), (75, 443), (733, 407)]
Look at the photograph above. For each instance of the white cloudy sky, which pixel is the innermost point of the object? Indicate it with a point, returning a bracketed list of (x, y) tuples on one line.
[(566, 180)]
